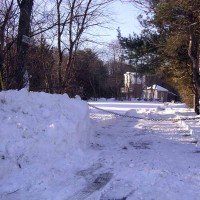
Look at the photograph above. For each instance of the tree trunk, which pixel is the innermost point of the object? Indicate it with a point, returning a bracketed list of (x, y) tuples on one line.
[(193, 54), (22, 48), (60, 53)]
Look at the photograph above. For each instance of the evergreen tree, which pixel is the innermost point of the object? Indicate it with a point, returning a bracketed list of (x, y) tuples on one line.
[(142, 52), (179, 20)]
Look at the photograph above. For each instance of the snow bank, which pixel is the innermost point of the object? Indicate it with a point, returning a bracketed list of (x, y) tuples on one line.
[(163, 111), (40, 129)]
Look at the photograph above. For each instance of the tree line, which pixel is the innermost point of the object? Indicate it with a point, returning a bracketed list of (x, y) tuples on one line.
[(169, 45), (41, 45)]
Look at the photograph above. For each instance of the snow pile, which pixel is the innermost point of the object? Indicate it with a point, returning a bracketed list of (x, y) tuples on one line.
[(37, 132), (136, 114), (163, 111), (44, 154)]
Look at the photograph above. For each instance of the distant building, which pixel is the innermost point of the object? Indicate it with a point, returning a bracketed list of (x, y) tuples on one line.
[(133, 85), (157, 92)]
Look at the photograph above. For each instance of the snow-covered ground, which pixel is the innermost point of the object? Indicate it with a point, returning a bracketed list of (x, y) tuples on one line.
[(56, 148)]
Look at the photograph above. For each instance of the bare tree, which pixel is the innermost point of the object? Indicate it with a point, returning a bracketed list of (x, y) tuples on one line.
[(5, 17), (62, 21), (81, 16)]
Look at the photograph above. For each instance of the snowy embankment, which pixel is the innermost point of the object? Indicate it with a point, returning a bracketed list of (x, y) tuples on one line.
[(38, 132), (50, 150)]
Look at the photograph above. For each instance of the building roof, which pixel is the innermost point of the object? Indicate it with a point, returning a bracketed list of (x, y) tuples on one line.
[(158, 88)]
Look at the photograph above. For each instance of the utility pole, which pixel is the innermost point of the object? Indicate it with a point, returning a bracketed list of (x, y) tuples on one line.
[(25, 7)]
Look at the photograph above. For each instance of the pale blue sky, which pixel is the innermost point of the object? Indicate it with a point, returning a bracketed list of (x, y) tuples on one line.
[(125, 15)]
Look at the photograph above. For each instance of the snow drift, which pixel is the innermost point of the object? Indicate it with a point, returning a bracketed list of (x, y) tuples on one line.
[(36, 129)]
